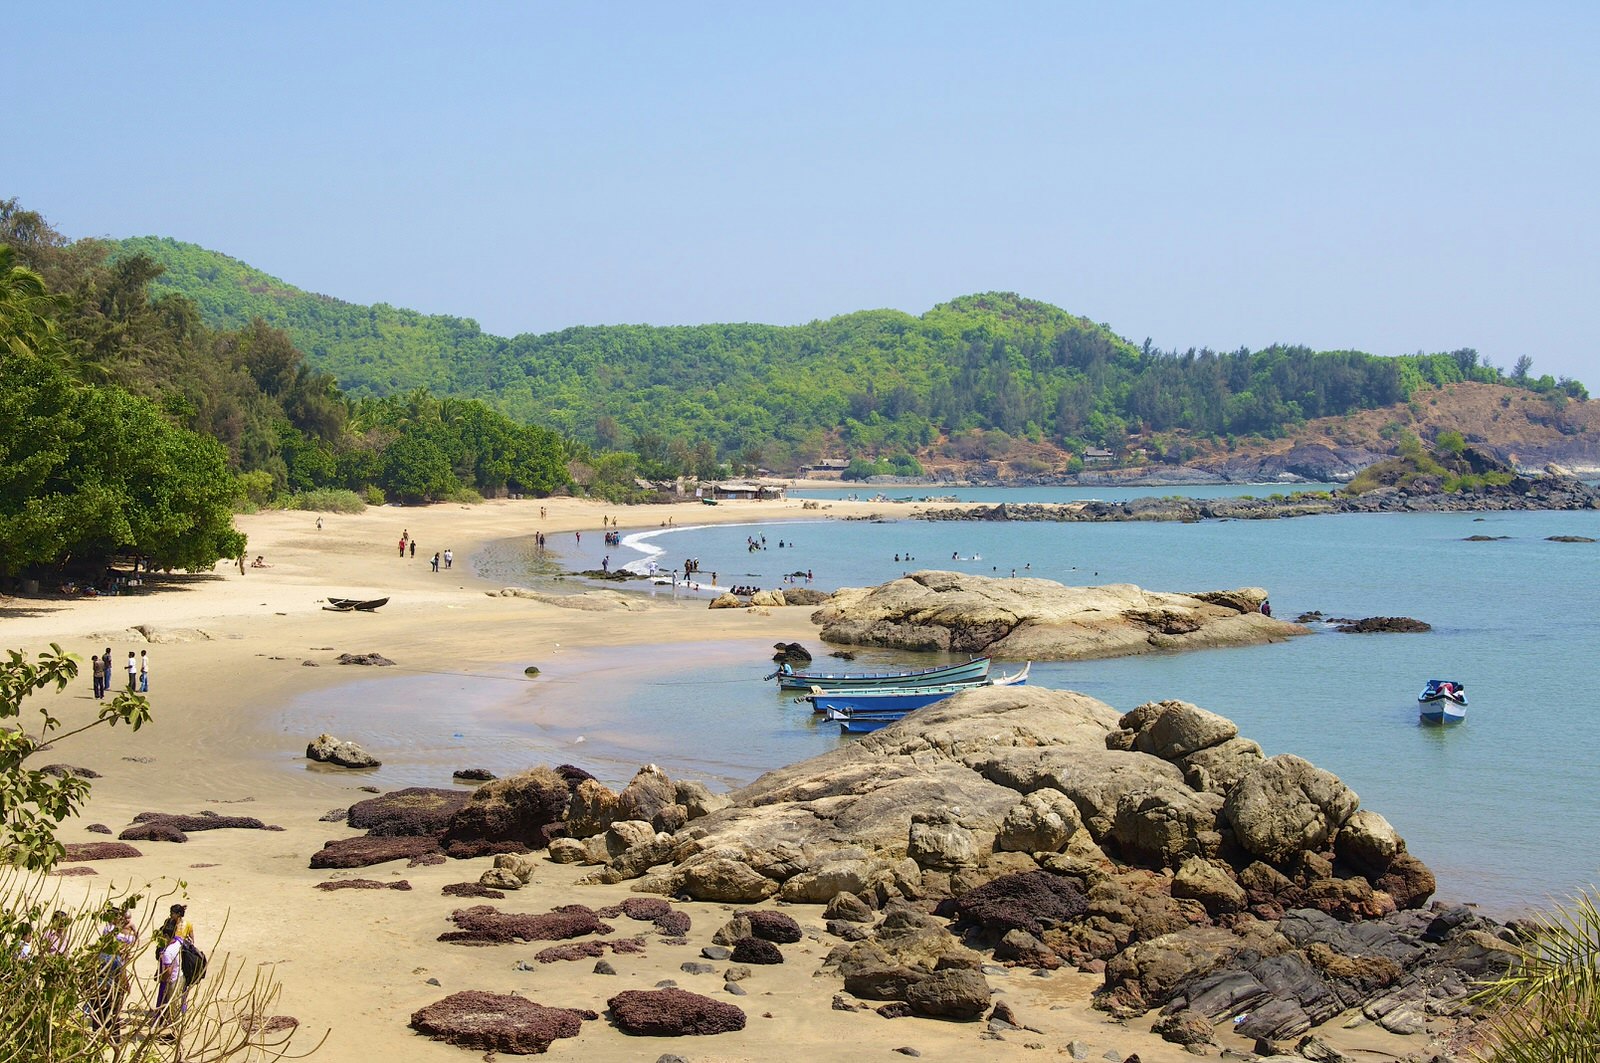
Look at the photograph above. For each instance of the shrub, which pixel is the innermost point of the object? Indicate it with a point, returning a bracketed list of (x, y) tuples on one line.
[(328, 500)]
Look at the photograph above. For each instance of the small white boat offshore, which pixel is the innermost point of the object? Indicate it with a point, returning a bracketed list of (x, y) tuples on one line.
[(1443, 701)]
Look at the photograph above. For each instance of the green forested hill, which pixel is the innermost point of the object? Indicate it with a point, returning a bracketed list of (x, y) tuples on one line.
[(876, 381)]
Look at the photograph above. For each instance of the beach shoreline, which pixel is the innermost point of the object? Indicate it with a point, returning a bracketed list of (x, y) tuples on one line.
[(229, 653)]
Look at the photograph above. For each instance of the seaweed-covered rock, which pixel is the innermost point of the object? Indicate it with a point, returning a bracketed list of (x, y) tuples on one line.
[(508, 815), (175, 826), (755, 950), (485, 925), (673, 1013), (1033, 901), (773, 926), (363, 884), (496, 1022), (416, 810), (78, 851), (366, 851)]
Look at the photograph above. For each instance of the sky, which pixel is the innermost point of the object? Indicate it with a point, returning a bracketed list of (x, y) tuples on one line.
[(1388, 177)]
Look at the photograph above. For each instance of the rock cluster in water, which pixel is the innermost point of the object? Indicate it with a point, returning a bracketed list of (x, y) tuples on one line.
[(1040, 619)]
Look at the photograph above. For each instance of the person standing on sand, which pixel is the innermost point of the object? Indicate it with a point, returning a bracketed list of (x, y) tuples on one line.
[(449, 557), (133, 673), (436, 561), (413, 548), (144, 671), (105, 669), (319, 524), (99, 668)]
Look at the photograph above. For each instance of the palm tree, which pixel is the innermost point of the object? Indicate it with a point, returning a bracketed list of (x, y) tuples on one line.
[(1546, 1007)]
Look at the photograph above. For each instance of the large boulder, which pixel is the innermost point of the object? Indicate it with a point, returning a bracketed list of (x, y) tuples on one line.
[(1044, 821), (1181, 729), (592, 808), (326, 749), (647, 793), (1217, 768), (1368, 842), (939, 841), (1288, 806), (1161, 827), (951, 993), (509, 815), (1211, 883)]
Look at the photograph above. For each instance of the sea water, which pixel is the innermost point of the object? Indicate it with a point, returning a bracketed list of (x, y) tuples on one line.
[(1503, 807)]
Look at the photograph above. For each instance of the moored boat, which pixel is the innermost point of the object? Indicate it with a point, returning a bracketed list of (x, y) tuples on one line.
[(900, 700), (859, 713), (1443, 701), (365, 605), (967, 673)]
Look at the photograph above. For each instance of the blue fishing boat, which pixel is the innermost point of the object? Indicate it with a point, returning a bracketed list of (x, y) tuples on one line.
[(900, 700), (1443, 701), (863, 712), (968, 673)]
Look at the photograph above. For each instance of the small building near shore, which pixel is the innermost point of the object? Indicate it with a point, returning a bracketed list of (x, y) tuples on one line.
[(1098, 456), (828, 467), (741, 491)]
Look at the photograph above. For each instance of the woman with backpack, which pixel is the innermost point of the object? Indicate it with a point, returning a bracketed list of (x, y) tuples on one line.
[(172, 986)]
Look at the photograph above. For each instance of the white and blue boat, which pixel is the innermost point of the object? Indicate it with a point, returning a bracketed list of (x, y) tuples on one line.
[(859, 712), (899, 700), (969, 673), (1443, 701)]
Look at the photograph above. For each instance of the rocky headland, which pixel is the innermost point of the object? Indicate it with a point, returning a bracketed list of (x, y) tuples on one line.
[(1553, 490), (1010, 828), (1042, 620)]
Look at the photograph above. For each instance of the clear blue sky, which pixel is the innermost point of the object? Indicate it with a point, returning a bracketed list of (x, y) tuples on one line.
[(1388, 176)]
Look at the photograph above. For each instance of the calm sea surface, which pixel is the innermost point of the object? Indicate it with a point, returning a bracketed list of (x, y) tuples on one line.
[(1505, 808)]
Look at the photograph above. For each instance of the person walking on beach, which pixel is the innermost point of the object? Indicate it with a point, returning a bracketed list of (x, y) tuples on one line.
[(449, 557), (99, 668), (133, 673), (402, 547), (144, 671), (436, 561), (413, 548), (319, 524)]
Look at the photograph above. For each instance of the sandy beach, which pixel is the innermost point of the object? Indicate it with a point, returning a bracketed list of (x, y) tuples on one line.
[(229, 655)]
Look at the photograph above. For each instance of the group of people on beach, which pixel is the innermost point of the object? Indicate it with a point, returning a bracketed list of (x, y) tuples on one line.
[(103, 671), (407, 543), (114, 948)]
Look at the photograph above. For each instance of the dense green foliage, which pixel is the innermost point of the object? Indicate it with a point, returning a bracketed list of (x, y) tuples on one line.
[(873, 383), (131, 424), (88, 472)]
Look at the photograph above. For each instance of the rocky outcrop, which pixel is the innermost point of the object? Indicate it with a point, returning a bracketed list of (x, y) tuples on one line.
[(1042, 829), (1039, 619), (1375, 624)]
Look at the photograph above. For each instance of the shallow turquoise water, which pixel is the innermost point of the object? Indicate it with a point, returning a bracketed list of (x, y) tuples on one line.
[(1505, 807)]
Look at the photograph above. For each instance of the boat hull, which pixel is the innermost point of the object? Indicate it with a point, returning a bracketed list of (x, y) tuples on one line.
[(1442, 712), (970, 673), (1442, 701), (901, 700)]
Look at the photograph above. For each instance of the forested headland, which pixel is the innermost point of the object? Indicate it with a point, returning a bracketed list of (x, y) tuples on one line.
[(876, 384), (131, 427)]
